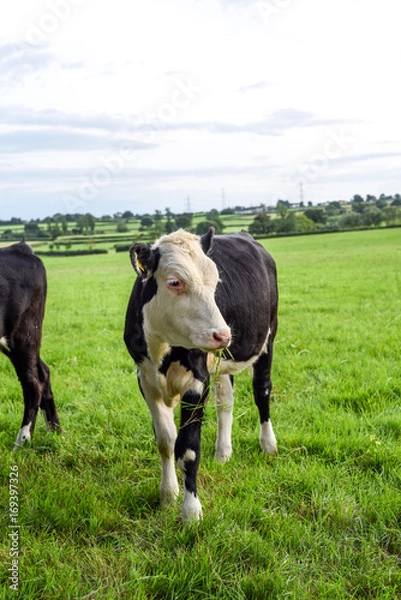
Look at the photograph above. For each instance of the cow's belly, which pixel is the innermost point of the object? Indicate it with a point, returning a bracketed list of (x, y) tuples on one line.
[(232, 367)]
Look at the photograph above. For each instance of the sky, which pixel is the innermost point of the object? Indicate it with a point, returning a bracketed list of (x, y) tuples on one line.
[(196, 104)]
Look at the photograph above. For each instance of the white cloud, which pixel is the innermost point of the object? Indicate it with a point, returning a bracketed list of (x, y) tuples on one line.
[(242, 95)]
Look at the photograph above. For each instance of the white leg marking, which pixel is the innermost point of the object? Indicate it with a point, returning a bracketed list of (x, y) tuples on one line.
[(267, 438), (3, 343), (191, 508), (23, 436), (165, 431), (224, 402), (189, 455)]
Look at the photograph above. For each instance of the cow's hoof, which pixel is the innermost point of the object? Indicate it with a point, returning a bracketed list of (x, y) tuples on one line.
[(267, 438), (24, 435), (191, 509), (223, 454)]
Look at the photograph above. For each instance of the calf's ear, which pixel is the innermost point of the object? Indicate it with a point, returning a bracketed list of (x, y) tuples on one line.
[(143, 259), (206, 240)]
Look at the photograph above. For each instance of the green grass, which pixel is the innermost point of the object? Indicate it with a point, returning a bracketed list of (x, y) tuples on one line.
[(320, 520)]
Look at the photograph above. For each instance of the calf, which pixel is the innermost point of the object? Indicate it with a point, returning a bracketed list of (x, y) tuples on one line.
[(22, 306), (200, 308)]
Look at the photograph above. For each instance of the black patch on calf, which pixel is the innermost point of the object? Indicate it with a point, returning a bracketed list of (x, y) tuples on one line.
[(191, 360), (134, 336)]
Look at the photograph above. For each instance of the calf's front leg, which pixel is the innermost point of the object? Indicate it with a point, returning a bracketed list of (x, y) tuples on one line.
[(187, 450), (166, 434)]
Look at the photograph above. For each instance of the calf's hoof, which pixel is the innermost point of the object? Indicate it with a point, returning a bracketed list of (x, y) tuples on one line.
[(191, 509)]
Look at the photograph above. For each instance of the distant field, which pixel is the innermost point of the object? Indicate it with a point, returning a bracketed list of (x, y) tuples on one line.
[(106, 235), (319, 521)]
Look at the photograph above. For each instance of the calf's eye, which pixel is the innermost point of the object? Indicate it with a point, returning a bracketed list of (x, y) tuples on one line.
[(175, 284)]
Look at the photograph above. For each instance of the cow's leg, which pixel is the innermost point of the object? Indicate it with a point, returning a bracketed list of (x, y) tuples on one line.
[(165, 433), (187, 447), (47, 401), (223, 390), (25, 364), (262, 387)]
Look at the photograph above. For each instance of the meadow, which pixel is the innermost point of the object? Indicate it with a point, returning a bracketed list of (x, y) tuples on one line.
[(322, 520)]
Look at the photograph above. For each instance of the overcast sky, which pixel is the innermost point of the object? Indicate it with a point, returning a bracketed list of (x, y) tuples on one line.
[(108, 106)]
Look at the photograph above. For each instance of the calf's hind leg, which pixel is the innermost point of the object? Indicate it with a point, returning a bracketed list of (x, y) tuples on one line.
[(262, 387), (26, 369), (47, 401), (223, 390)]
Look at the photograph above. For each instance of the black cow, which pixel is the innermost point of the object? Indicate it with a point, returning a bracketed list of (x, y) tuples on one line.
[(22, 305), (196, 301)]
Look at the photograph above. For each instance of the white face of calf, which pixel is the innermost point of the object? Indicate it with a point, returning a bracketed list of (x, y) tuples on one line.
[(183, 311)]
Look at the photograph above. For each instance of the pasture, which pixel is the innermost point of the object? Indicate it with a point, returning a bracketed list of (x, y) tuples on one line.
[(320, 520)]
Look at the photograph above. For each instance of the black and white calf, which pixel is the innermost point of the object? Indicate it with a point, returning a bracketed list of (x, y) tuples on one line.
[(195, 297), (22, 305)]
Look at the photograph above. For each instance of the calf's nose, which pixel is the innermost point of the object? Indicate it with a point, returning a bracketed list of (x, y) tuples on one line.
[(221, 338)]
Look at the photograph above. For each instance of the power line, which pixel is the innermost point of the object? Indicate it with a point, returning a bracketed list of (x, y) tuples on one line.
[(187, 205)]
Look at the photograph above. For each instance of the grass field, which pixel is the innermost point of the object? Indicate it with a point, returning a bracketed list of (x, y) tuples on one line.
[(320, 520)]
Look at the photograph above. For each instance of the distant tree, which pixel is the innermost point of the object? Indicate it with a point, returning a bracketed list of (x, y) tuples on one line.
[(397, 200), (169, 227), (282, 208), (381, 203), (86, 224), (350, 220), (127, 215), (157, 230), (261, 225), (333, 208), (32, 228), (7, 235), (64, 224), (372, 216), (122, 227), (53, 228), (391, 214), (90, 222), (203, 227), (317, 215), (214, 217), (370, 198), (158, 215), (288, 224), (357, 203), (146, 222), (304, 223), (184, 221)]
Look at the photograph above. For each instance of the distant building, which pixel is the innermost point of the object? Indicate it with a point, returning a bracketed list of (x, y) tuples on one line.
[(254, 210)]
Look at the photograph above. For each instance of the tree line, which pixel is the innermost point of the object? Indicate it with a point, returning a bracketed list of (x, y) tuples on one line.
[(282, 219)]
